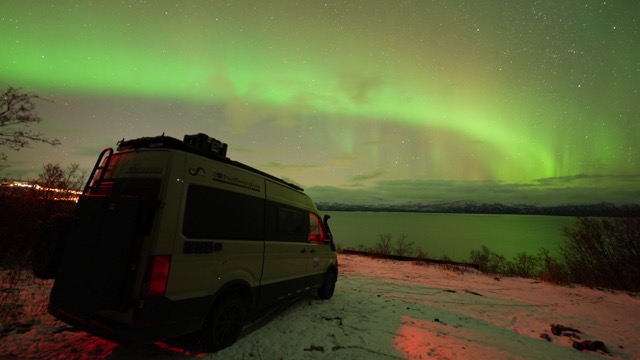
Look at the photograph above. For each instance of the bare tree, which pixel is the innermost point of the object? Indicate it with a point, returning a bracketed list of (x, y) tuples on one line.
[(53, 176), (17, 114), (58, 183)]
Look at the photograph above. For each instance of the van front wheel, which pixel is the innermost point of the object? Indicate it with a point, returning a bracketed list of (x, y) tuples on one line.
[(224, 325), (328, 286)]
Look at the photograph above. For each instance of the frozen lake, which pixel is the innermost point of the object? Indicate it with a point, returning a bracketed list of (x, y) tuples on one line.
[(454, 235)]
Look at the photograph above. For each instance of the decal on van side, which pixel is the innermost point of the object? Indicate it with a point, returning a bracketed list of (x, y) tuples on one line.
[(141, 169), (218, 176)]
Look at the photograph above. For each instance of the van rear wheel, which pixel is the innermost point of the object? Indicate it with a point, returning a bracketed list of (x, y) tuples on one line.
[(224, 325), (328, 286)]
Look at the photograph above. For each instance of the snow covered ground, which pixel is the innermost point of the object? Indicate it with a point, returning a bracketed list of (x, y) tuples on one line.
[(382, 309)]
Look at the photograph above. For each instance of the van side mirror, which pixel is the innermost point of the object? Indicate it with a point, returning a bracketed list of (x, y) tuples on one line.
[(327, 230)]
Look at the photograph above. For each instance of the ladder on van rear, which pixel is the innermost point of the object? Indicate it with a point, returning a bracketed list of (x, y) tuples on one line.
[(101, 166)]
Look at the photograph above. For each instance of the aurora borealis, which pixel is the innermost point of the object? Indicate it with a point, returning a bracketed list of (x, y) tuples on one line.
[(357, 101)]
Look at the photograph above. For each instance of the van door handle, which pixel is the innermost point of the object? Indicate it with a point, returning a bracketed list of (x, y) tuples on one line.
[(312, 251), (303, 251)]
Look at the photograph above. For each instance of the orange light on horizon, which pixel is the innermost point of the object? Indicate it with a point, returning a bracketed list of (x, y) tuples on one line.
[(62, 194)]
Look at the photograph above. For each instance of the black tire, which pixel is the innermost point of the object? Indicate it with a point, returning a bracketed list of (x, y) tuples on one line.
[(225, 322), (328, 286), (46, 254)]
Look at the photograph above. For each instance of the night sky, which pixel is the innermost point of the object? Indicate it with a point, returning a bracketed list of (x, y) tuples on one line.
[(364, 102)]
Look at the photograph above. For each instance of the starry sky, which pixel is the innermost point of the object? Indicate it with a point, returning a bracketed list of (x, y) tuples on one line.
[(357, 101)]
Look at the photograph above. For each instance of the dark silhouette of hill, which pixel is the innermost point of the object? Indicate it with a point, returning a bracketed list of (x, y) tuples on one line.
[(472, 207)]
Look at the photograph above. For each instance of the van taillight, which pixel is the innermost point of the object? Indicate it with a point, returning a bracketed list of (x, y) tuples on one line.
[(156, 277)]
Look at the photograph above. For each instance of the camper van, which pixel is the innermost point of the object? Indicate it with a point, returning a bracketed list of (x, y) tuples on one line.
[(172, 237)]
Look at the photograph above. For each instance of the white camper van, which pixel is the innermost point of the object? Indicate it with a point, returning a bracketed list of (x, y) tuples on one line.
[(172, 237)]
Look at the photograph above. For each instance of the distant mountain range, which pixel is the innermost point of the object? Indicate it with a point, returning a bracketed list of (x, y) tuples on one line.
[(472, 207)]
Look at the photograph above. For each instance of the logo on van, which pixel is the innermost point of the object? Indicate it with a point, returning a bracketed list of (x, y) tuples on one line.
[(196, 172)]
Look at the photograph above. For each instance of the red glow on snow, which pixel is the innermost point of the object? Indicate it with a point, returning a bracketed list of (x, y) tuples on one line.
[(77, 346), (84, 346), (178, 350), (420, 339), (414, 339)]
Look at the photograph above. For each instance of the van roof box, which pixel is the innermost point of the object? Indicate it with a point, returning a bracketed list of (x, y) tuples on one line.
[(206, 144), (200, 144)]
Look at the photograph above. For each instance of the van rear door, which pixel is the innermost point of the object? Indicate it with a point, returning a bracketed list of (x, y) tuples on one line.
[(101, 255)]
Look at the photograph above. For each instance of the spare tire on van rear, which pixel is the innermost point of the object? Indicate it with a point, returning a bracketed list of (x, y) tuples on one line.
[(46, 253)]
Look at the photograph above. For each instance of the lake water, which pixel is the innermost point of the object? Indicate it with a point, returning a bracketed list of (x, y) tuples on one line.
[(454, 235)]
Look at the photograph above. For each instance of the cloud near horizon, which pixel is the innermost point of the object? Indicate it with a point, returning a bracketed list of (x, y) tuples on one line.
[(579, 189)]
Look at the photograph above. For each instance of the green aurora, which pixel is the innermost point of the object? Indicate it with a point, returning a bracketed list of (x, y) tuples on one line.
[(523, 101)]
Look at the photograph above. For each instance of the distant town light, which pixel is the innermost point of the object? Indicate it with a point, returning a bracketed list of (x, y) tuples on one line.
[(61, 194)]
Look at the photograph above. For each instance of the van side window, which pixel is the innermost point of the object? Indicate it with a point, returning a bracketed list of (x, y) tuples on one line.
[(211, 213), (291, 225), (316, 231)]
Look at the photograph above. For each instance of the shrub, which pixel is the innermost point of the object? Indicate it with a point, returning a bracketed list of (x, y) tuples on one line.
[(383, 246), (403, 247), (445, 258), (362, 247), (24, 221), (488, 261), (552, 270), (21, 219), (421, 254), (523, 265), (600, 252), (604, 252)]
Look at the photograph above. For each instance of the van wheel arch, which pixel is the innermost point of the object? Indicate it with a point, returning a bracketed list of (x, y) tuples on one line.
[(325, 292), (223, 325)]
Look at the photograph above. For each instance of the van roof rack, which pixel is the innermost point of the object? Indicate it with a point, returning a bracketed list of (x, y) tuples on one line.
[(200, 144)]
